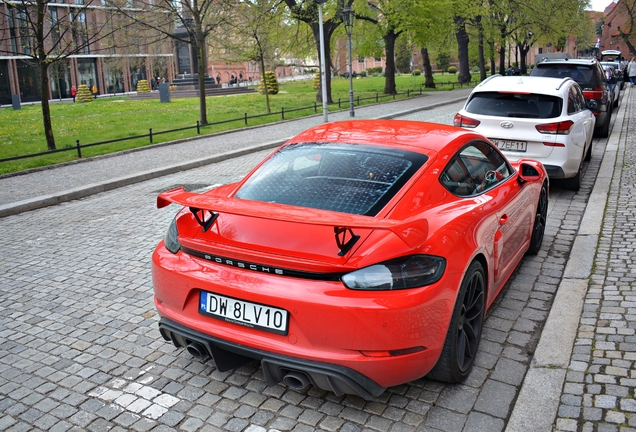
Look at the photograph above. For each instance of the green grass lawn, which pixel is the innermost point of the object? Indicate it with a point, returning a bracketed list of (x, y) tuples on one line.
[(110, 118)]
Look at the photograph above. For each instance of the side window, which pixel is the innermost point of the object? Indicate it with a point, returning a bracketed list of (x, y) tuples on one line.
[(476, 168), (572, 102), (581, 97), (576, 100)]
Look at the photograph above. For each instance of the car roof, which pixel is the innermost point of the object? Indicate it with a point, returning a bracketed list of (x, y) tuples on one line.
[(423, 137), (525, 84)]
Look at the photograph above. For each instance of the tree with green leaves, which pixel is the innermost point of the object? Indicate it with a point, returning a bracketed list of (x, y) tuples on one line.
[(49, 35), (195, 21), (257, 34), (307, 11), (429, 25), (388, 18)]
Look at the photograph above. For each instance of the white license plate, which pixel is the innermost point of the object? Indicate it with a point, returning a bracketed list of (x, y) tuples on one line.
[(245, 313), (517, 146)]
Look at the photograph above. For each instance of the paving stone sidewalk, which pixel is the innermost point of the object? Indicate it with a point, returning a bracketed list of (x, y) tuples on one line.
[(600, 387)]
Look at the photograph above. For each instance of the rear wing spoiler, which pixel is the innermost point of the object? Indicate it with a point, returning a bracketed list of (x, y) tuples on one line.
[(411, 231)]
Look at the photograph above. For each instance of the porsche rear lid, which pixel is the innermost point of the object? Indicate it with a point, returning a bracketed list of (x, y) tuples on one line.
[(316, 201), (238, 228)]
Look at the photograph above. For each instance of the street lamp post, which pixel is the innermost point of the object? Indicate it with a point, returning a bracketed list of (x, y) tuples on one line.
[(323, 66), (347, 18)]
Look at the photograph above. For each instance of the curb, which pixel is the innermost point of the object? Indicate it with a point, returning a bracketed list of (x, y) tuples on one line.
[(538, 401)]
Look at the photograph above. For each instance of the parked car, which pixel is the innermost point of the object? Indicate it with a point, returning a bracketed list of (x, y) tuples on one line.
[(620, 72), (590, 76), (546, 119), (612, 55), (614, 84), (359, 255)]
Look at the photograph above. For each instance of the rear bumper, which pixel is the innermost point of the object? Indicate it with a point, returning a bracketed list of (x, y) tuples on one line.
[(554, 172), (294, 372)]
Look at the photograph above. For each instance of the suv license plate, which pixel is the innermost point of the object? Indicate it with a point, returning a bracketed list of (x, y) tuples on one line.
[(244, 313), (516, 146)]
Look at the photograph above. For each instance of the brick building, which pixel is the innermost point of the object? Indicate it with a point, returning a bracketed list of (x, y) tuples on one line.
[(95, 60)]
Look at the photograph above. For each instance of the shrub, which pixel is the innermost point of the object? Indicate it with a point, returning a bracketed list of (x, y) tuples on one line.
[(443, 61), (317, 80), (417, 72), (270, 80), (374, 70), (452, 70), (84, 94), (143, 87)]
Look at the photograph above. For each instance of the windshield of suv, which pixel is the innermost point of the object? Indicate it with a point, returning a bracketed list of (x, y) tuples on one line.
[(582, 74), (515, 105)]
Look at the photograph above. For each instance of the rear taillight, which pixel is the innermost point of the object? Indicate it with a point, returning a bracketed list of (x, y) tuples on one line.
[(463, 121), (551, 144), (558, 128), (595, 93)]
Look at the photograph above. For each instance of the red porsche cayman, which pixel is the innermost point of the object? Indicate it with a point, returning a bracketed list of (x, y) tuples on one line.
[(357, 256)]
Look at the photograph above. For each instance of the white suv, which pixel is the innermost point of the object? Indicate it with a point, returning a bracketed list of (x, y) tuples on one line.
[(546, 119)]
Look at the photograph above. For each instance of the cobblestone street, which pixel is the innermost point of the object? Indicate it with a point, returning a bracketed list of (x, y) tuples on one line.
[(600, 387), (80, 347)]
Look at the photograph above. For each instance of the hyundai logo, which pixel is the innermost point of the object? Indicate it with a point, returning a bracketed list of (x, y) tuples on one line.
[(507, 125)]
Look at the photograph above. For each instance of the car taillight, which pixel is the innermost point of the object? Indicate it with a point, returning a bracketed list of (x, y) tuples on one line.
[(595, 93), (463, 121), (551, 144), (558, 128)]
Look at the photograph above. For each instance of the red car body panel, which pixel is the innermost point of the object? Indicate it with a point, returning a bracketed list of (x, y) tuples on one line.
[(390, 337)]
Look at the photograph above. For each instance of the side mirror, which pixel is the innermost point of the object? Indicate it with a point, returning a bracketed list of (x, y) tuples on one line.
[(528, 172)]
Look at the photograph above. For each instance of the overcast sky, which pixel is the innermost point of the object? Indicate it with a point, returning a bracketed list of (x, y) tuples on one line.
[(599, 5)]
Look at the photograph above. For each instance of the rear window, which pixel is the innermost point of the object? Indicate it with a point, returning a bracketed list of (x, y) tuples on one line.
[(346, 178), (582, 74), (515, 105)]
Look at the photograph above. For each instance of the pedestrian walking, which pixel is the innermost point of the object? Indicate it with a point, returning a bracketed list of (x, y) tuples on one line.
[(631, 71), (94, 91), (73, 92)]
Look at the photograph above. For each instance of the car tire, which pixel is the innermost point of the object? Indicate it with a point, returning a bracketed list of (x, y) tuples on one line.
[(573, 183), (588, 155), (603, 131), (538, 229), (466, 327)]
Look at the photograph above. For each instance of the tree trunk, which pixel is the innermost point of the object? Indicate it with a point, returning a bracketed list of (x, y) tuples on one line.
[(480, 48), (630, 46), (462, 50), (328, 29), (493, 65), (46, 109), (264, 82), (428, 70), (389, 72), (502, 52), (524, 47), (201, 58), (502, 60)]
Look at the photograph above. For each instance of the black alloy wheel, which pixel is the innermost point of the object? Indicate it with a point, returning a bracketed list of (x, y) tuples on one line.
[(538, 229), (464, 333)]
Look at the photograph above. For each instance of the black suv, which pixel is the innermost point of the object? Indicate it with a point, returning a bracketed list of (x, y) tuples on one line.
[(590, 76)]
